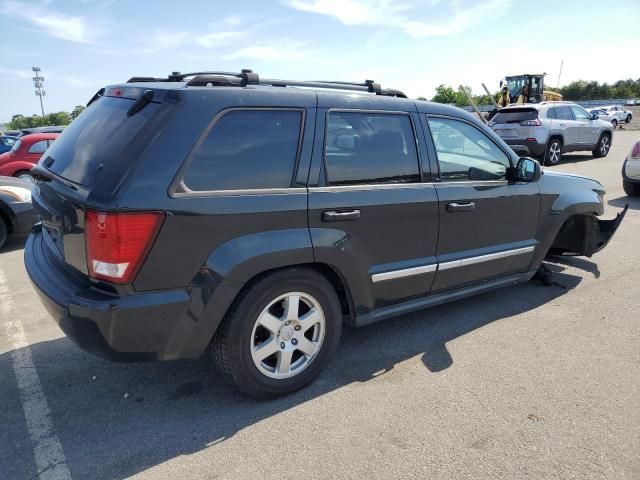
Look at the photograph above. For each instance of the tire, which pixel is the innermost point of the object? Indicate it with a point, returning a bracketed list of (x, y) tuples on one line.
[(614, 123), (24, 175), (239, 339), (553, 152), (4, 232), (630, 188), (628, 119), (603, 146)]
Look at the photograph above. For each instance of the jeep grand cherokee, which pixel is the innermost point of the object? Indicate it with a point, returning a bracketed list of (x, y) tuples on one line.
[(257, 216)]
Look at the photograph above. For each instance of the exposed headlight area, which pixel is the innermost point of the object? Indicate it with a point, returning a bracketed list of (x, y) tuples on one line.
[(19, 193)]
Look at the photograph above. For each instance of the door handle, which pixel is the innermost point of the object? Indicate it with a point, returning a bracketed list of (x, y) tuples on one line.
[(460, 207), (335, 216)]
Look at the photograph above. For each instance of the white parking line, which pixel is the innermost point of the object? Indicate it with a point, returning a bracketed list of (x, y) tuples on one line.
[(49, 457)]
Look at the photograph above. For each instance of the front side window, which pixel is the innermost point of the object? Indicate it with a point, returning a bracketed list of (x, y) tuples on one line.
[(247, 149), (465, 152), (39, 147), (580, 113), (370, 148)]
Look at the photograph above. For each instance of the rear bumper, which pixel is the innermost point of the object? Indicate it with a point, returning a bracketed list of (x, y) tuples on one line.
[(529, 147), (164, 325)]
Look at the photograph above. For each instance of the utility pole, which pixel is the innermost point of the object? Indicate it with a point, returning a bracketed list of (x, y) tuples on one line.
[(559, 74), (38, 82)]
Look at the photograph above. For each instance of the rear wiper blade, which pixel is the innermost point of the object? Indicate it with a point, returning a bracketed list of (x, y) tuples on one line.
[(142, 102)]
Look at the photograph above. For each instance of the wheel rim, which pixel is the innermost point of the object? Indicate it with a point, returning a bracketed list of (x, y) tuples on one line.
[(604, 145), (554, 152), (287, 335)]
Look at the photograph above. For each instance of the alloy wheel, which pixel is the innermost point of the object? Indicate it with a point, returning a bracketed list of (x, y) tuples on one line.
[(604, 145), (554, 153), (287, 335)]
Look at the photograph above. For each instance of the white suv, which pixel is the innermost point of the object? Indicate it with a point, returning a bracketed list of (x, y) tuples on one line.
[(549, 129)]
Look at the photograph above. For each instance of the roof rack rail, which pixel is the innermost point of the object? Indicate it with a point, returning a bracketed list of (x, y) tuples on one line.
[(248, 77)]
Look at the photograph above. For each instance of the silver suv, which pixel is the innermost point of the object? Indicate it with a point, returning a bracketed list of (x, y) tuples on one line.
[(549, 129)]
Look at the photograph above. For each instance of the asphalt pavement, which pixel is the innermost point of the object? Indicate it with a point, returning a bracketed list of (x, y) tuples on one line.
[(525, 382)]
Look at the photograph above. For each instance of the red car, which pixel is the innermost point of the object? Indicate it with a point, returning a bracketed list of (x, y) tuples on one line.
[(25, 153)]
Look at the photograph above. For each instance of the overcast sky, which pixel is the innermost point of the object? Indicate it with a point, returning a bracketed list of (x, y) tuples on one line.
[(412, 45)]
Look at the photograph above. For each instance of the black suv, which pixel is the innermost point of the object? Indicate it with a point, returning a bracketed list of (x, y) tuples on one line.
[(257, 216)]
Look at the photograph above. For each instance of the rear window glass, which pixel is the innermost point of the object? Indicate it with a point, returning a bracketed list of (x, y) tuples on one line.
[(247, 149), (515, 115), (96, 138)]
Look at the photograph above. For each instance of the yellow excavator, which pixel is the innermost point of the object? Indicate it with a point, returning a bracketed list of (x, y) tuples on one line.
[(531, 87)]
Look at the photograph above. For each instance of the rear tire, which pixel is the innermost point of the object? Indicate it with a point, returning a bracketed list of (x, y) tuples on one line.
[(4, 232), (553, 153), (630, 188), (266, 317), (603, 146), (24, 175)]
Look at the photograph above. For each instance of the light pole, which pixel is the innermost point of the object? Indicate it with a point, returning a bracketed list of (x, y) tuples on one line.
[(38, 82)]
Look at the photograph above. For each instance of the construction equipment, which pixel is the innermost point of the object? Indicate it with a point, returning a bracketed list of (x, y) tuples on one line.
[(529, 86)]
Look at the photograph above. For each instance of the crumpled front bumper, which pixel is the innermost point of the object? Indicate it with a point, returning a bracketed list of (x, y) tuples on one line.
[(586, 235)]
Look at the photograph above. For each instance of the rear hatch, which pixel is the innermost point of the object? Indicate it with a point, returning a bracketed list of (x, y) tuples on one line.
[(83, 167), (515, 123)]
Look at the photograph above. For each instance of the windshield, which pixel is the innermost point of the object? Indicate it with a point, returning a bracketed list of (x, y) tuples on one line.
[(95, 139)]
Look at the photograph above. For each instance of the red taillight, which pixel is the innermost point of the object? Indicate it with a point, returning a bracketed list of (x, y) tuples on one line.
[(635, 152), (531, 123), (117, 243)]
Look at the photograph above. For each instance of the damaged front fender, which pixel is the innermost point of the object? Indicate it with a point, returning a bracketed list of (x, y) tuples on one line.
[(585, 234)]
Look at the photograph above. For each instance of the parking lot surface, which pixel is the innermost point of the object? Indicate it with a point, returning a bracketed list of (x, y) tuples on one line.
[(525, 382)]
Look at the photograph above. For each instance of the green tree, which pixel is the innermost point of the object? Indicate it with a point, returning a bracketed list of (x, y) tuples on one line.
[(76, 111), (444, 94)]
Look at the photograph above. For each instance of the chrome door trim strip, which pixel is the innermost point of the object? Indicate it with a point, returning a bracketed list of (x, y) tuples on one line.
[(405, 272), (485, 258)]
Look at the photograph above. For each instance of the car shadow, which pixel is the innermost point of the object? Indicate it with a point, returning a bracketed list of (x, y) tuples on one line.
[(634, 202), (575, 158), (178, 408), (576, 262)]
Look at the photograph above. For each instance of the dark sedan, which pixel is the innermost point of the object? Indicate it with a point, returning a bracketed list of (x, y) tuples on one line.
[(16, 211)]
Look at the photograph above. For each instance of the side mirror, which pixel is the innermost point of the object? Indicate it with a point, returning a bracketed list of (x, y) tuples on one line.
[(594, 116), (526, 170)]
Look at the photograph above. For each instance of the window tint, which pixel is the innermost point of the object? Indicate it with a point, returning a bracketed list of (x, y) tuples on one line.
[(551, 113), (466, 153), (564, 113), (515, 115), (368, 148), (39, 147), (247, 149), (580, 113)]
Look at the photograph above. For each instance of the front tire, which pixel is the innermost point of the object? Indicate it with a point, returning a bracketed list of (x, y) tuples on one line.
[(279, 334), (614, 123), (628, 119), (630, 188), (553, 153), (603, 146)]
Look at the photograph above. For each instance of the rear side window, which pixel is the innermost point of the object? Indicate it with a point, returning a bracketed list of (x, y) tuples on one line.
[(564, 113), (370, 148), (247, 149), (551, 113), (39, 147), (515, 115), (100, 136)]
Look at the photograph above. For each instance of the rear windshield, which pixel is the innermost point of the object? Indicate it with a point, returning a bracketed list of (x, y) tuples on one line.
[(516, 115), (96, 138)]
